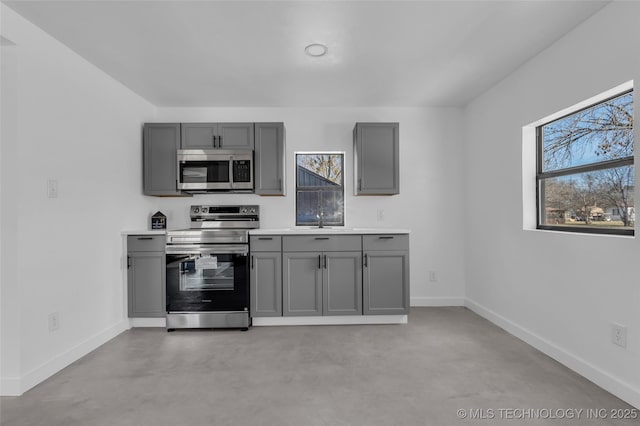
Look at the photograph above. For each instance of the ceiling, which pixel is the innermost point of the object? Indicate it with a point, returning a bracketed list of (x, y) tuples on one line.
[(251, 53)]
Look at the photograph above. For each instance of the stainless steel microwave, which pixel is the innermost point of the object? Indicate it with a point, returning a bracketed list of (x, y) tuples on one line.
[(202, 170)]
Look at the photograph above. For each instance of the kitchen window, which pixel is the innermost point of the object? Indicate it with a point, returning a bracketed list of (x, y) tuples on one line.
[(320, 189), (585, 169)]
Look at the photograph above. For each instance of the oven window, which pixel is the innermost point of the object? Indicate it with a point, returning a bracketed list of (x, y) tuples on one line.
[(206, 274)]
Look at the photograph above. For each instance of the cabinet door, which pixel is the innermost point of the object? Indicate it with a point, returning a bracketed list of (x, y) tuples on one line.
[(146, 284), (385, 284), (266, 284), (342, 283), (160, 144), (235, 136), (199, 136), (269, 159), (376, 159), (301, 284)]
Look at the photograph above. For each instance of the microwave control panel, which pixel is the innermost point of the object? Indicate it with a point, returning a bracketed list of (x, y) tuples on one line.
[(241, 171)]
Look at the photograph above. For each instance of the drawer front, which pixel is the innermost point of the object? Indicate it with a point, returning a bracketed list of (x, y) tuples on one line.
[(322, 243), (385, 242), (265, 243), (146, 242)]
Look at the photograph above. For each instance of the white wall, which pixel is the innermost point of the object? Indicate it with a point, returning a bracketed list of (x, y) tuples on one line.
[(9, 293), (431, 179), (560, 292), (69, 122)]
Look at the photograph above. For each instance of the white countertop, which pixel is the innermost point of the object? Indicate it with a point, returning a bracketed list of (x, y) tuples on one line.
[(328, 230), (294, 231), (145, 232)]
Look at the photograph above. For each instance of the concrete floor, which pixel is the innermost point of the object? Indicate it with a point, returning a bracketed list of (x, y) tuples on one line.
[(421, 373)]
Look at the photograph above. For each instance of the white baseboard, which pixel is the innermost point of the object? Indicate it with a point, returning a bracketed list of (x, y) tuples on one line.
[(437, 301), (331, 320), (10, 386), (148, 322), (612, 384), (49, 368)]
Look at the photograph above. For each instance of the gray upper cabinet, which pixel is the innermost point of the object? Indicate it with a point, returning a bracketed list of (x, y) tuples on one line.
[(376, 159), (160, 144), (236, 135), (217, 135), (146, 276), (385, 274), (269, 159)]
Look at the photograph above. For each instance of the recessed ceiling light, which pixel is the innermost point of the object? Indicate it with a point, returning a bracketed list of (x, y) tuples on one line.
[(316, 49)]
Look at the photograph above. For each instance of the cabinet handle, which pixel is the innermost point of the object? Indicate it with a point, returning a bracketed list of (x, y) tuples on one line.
[(251, 262), (280, 184), (322, 238), (325, 261), (359, 184), (366, 262), (214, 140), (265, 238), (386, 237), (145, 238), (128, 262), (319, 261)]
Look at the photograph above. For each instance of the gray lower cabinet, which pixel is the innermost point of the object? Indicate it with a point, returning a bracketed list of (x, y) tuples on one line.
[(321, 275), (342, 283), (301, 284), (146, 276), (160, 144), (376, 159), (217, 135), (385, 284), (269, 159), (327, 282), (266, 276)]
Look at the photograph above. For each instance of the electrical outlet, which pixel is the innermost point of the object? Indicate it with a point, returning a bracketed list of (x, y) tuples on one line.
[(619, 335), (52, 188), (380, 215), (433, 276), (54, 321)]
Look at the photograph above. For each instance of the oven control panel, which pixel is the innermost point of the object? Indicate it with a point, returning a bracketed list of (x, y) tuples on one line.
[(212, 211), (238, 217)]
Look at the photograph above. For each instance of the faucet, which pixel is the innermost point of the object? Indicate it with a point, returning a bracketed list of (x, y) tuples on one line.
[(320, 216)]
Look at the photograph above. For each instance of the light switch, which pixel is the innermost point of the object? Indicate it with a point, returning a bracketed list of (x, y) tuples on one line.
[(52, 188)]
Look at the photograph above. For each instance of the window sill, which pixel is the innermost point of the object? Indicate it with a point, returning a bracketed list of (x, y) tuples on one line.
[(588, 234)]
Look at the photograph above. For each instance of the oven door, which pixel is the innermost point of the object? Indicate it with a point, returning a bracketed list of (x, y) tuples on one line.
[(205, 279)]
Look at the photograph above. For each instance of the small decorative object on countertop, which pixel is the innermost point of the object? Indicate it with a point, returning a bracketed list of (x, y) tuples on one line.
[(158, 221)]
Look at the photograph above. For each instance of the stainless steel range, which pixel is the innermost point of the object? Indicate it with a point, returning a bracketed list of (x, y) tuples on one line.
[(208, 269)]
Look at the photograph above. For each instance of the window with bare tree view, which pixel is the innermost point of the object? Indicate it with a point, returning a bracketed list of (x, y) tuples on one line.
[(319, 189), (586, 175)]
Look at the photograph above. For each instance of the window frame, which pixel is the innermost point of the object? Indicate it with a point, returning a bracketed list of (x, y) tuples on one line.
[(311, 189), (541, 176)]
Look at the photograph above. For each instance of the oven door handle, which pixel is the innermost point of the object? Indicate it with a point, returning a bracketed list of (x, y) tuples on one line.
[(189, 249)]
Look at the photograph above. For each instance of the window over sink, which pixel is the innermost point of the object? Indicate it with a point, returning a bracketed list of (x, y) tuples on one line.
[(320, 189)]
